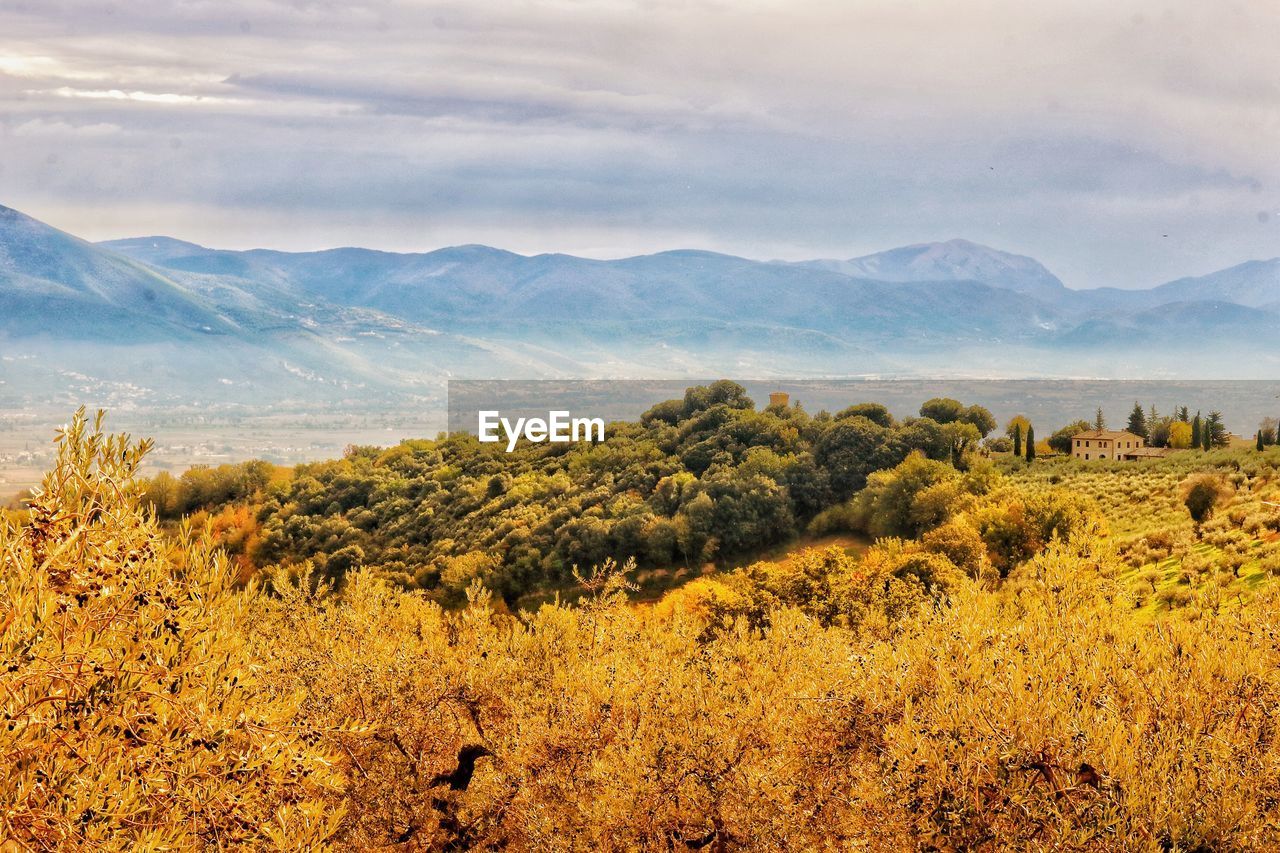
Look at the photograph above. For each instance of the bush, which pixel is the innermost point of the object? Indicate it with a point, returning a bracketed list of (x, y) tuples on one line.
[(1202, 493), (134, 715)]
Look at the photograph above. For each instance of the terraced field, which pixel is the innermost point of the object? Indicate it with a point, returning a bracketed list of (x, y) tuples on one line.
[(1170, 560)]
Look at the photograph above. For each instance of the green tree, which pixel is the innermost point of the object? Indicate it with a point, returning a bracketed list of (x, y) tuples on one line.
[(1099, 420), (874, 412), (1138, 421), (1215, 431), (1061, 440), (1031, 444), (981, 419), (1017, 440), (1197, 430), (944, 410), (851, 450)]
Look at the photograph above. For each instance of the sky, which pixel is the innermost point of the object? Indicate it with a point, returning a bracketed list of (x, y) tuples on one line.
[(1120, 143)]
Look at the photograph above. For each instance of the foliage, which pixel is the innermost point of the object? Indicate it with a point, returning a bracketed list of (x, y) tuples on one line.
[(904, 699), (133, 715), (1201, 495), (1060, 441), (699, 479)]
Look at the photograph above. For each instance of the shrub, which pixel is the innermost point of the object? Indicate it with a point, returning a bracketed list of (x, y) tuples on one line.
[(134, 716)]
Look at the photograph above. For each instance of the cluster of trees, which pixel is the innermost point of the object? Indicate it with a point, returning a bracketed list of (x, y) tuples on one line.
[(1180, 430), (695, 479), (1018, 438), (1268, 433), (888, 702)]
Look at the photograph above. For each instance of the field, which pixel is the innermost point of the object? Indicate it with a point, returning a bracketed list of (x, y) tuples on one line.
[(992, 656), (1168, 558)]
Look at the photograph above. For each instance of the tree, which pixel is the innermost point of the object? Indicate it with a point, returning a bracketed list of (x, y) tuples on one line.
[(1000, 444), (1061, 440), (1138, 421), (1017, 440), (1017, 422), (702, 397), (1215, 431), (1182, 414), (1267, 429), (1201, 494), (1197, 432), (891, 504), (944, 410), (1180, 435), (851, 450), (1158, 431), (874, 412), (980, 418), (961, 437), (1099, 420), (1031, 444), (1261, 444)]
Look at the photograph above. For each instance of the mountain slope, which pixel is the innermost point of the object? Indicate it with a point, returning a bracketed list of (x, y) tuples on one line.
[(953, 260), (54, 283), (1253, 283)]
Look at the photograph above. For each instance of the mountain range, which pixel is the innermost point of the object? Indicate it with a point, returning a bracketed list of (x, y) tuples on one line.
[(163, 318)]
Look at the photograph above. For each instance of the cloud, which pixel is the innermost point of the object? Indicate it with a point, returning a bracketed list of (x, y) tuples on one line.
[(1080, 133)]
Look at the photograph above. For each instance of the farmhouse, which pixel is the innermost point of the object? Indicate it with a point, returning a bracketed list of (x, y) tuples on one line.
[(1106, 444)]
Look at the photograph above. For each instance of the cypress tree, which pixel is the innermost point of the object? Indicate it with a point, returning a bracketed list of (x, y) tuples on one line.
[(1260, 444), (1099, 421), (1017, 441), (1196, 439), (1031, 444)]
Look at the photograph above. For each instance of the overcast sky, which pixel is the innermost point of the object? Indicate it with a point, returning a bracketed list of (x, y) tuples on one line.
[(1120, 143)]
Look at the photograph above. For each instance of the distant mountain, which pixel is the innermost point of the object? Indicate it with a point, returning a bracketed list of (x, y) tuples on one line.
[(86, 319), (662, 298), (52, 282), (157, 315), (1253, 283), (954, 260)]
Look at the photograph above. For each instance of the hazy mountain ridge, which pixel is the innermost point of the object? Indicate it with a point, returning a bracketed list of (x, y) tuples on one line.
[(920, 295), (357, 322)]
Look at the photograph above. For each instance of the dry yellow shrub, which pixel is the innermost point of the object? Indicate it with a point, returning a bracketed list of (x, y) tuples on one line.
[(131, 717)]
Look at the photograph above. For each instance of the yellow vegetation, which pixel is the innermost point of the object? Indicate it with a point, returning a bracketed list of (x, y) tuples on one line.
[(884, 702)]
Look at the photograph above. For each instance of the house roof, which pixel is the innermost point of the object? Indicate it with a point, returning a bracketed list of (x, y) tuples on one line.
[(1105, 434)]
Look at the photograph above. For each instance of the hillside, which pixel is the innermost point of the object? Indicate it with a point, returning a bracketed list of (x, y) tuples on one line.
[(998, 665)]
